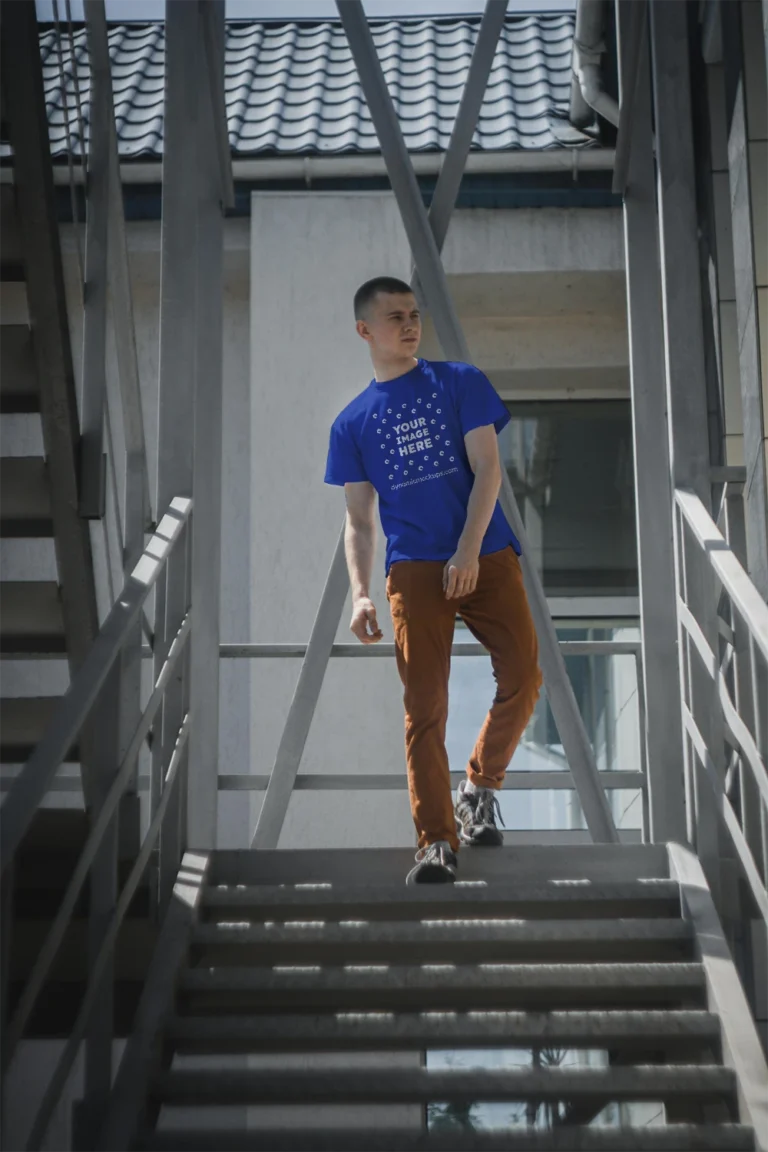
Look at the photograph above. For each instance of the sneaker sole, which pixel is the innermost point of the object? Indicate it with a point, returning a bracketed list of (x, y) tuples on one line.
[(431, 874), (486, 837)]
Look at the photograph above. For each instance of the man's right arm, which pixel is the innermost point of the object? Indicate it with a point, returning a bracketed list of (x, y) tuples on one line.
[(360, 548)]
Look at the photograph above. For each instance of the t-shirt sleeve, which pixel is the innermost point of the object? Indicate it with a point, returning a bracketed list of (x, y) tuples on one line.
[(344, 464), (477, 400)]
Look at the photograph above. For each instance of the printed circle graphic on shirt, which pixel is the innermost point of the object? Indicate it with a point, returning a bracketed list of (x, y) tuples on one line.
[(438, 411), (451, 459), (442, 453), (391, 476), (442, 427), (434, 395), (429, 405), (420, 468)]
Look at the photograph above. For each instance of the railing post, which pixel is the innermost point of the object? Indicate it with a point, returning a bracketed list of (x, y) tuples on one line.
[(202, 797), (104, 746)]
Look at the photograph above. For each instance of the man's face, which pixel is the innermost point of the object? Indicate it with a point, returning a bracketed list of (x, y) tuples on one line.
[(392, 326)]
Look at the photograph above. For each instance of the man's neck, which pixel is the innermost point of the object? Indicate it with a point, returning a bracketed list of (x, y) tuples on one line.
[(391, 369)]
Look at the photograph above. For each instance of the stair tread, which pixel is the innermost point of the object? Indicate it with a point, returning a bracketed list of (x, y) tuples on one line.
[(440, 942), (369, 1031), (451, 987), (395, 901), (25, 502), (377, 867), (417, 1085), (448, 975), (608, 1138), (23, 720), (31, 617), (19, 390)]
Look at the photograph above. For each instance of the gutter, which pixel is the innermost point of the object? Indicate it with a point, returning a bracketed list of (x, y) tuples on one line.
[(350, 166), (587, 92)]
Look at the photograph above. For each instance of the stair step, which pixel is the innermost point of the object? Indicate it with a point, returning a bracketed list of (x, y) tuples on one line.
[(448, 988), (364, 1032), (608, 1138), (420, 1085), (547, 900), (25, 502), (378, 867), (23, 720), (31, 618), (454, 941), (19, 390)]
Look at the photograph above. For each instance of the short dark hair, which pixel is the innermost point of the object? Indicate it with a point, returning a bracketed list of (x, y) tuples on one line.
[(367, 292)]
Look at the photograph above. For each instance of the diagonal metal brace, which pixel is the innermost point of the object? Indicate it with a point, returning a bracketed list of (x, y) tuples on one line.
[(425, 251)]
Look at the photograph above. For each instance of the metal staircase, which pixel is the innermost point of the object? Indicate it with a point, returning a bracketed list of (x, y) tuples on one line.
[(44, 540), (303, 960)]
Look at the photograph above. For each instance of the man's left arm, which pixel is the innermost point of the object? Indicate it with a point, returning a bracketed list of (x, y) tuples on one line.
[(461, 572)]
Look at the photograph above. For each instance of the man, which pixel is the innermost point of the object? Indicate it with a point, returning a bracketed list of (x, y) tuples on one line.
[(423, 436)]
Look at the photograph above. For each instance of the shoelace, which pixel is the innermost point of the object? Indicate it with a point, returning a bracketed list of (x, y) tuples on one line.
[(488, 808), (431, 852)]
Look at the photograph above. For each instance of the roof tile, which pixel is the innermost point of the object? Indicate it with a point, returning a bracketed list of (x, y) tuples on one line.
[(292, 88)]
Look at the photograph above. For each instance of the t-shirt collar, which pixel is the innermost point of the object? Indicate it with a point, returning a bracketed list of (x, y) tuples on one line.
[(399, 379)]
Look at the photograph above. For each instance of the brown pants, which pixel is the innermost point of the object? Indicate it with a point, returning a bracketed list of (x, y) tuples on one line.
[(497, 615)]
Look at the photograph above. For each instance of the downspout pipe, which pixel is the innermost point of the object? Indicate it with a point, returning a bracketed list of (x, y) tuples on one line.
[(587, 92)]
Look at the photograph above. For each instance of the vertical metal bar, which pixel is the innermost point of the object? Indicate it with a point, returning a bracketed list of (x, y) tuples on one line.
[(214, 37), (92, 474), (202, 813), (304, 702), (663, 733), (432, 276), (642, 714), (680, 280), (634, 45), (178, 305), (104, 740)]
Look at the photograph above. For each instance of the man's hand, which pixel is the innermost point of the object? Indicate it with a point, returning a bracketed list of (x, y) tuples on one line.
[(460, 574), (363, 619)]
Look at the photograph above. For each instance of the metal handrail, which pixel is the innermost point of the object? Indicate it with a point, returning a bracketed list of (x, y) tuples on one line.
[(733, 654), (17, 813)]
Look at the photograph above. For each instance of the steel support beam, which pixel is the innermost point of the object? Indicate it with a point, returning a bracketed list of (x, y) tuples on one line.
[(449, 332), (207, 341), (304, 702), (663, 733), (685, 371), (190, 395), (214, 38), (94, 392), (635, 44), (454, 164)]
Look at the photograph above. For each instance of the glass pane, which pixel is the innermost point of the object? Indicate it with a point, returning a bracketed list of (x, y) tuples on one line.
[(570, 464), (606, 691)]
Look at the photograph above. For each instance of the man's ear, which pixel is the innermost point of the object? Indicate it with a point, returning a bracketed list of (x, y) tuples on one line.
[(363, 330)]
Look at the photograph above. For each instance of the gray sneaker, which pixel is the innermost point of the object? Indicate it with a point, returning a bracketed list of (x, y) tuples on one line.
[(435, 864), (476, 814)]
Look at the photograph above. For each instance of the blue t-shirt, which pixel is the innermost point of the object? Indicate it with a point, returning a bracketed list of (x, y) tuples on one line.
[(406, 437)]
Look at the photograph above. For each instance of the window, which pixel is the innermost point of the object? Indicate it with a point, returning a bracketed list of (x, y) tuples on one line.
[(571, 468)]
